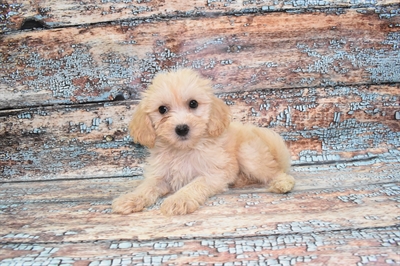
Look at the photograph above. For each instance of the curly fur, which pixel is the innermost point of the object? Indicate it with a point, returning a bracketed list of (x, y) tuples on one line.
[(214, 154)]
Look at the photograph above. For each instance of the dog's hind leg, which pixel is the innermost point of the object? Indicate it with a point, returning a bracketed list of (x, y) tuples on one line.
[(264, 157)]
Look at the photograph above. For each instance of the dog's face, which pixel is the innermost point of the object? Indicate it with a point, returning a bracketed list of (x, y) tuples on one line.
[(178, 109)]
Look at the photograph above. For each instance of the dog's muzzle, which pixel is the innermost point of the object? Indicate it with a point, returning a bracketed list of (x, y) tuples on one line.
[(182, 130)]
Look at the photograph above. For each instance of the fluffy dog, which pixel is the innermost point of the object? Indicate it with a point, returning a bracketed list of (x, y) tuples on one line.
[(195, 150)]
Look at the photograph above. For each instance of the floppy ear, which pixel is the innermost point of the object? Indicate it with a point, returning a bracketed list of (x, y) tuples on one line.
[(141, 128), (219, 117)]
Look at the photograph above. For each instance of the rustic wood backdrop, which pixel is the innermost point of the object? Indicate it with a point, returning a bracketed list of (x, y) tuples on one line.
[(325, 74)]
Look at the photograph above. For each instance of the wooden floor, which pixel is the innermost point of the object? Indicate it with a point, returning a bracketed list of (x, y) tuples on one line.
[(343, 215), (323, 74)]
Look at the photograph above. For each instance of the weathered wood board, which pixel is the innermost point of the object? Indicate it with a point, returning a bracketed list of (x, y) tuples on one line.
[(320, 124), (350, 247), (324, 74), (322, 177), (64, 222), (278, 50), (358, 199), (22, 14)]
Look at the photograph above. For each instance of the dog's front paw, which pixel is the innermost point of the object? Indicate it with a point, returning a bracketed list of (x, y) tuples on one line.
[(128, 203), (176, 205)]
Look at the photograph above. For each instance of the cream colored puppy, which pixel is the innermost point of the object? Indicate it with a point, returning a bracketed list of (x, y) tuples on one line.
[(195, 151)]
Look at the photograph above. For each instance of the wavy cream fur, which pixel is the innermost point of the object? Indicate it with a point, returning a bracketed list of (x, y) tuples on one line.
[(216, 153)]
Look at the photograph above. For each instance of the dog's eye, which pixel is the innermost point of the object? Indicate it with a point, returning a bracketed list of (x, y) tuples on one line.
[(193, 104), (162, 109)]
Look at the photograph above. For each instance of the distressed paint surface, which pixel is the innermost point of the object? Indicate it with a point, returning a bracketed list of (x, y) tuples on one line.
[(379, 247), (268, 228), (278, 50), (363, 203), (321, 177), (51, 14), (323, 74), (69, 142), (321, 125)]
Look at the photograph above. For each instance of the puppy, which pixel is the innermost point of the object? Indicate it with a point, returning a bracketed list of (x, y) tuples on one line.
[(195, 150)]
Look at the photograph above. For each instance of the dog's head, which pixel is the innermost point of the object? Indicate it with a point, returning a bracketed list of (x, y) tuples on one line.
[(178, 109)]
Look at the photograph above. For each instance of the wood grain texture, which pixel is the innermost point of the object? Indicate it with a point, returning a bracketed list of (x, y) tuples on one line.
[(239, 53), (321, 125), (353, 247), (322, 177), (378, 247), (323, 74), (45, 218), (63, 222), (51, 13)]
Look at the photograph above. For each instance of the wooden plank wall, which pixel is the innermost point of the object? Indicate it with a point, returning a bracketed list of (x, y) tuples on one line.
[(324, 74), (325, 78)]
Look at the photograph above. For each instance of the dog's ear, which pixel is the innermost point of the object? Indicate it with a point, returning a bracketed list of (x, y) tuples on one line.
[(141, 128), (220, 116)]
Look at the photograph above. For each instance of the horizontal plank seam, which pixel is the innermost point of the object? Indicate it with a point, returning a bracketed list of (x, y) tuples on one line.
[(61, 106), (201, 14), (136, 177), (72, 179), (3, 111), (217, 237), (228, 192)]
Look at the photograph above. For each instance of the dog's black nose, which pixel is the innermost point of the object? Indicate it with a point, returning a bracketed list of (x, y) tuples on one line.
[(182, 130)]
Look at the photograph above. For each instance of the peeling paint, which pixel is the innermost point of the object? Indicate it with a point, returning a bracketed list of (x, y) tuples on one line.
[(79, 71), (333, 128), (381, 64)]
